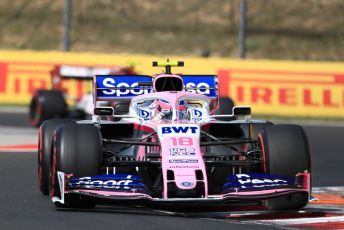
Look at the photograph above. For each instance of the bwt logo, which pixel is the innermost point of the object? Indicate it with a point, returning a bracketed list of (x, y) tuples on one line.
[(125, 88), (180, 129)]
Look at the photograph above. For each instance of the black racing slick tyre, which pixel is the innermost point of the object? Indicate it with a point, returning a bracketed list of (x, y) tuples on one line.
[(285, 152), (258, 127), (226, 105), (45, 141), (77, 151), (47, 104)]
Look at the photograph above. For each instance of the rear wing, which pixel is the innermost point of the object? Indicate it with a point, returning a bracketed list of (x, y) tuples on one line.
[(82, 72), (62, 72), (125, 87)]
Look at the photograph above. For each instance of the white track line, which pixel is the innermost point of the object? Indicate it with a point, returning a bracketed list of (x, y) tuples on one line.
[(334, 189), (18, 150), (314, 220)]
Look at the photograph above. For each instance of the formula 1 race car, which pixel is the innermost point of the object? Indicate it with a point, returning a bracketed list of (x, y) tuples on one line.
[(171, 149), (49, 104)]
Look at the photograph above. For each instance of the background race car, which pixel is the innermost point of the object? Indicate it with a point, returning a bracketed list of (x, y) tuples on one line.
[(48, 104)]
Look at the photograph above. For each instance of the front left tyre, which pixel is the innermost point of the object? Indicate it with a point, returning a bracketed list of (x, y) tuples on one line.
[(45, 143), (77, 151)]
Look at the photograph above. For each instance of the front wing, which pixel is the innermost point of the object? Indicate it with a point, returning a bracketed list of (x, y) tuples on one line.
[(239, 188)]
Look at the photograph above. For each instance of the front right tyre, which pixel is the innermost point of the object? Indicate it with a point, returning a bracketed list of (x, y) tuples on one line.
[(285, 152), (226, 105)]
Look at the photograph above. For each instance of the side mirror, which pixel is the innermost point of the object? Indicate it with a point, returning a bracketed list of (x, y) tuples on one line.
[(103, 111), (242, 112)]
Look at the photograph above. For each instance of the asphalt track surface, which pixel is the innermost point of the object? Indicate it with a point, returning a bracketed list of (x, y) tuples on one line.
[(22, 205)]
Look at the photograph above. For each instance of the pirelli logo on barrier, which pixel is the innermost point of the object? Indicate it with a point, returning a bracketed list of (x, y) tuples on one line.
[(285, 88), (18, 81), (285, 92)]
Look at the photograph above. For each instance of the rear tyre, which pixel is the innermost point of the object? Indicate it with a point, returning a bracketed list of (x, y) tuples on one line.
[(285, 152), (77, 150), (47, 104), (45, 140)]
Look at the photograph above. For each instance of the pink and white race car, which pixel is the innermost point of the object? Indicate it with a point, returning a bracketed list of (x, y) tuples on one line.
[(171, 149)]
